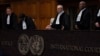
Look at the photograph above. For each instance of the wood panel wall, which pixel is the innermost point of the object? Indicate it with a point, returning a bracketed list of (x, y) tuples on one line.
[(40, 10), (43, 10)]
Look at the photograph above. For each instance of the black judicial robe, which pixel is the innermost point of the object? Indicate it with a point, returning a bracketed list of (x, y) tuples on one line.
[(64, 21), (84, 23), (13, 22), (29, 22)]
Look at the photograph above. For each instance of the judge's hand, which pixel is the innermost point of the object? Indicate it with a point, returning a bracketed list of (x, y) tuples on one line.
[(97, 24), (76, 27), (62, 28), (48, 27)]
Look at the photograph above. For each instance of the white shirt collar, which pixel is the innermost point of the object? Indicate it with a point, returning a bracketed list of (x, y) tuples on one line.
[(79, 15), (58, 17), (8, 20), (98, 14)]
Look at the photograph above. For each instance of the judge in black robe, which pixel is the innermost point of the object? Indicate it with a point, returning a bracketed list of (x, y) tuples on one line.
[(64, 22), (11, 22), (97, 19), (83, 18), (61, 21), (29, 23)]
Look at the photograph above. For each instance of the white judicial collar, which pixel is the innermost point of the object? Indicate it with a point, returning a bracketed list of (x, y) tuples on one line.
[(24, 26), (98, 14), (58, 17), (8, 19), (79, 15)]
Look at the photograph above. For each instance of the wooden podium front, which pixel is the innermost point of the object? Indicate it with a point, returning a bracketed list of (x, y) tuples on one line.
[(50, 43)]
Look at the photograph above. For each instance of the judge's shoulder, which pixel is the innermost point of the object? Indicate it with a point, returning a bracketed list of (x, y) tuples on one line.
[(66, 13)]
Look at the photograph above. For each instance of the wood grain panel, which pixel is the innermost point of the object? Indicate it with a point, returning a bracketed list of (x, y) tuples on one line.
[(41, 11)]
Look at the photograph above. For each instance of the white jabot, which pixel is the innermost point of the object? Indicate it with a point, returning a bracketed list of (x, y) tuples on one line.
[(98, 15), (79, 15), (58, 17), (8, 19), (24, 26)]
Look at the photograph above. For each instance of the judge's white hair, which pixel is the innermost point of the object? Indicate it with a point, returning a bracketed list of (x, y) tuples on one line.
[(60, 6)]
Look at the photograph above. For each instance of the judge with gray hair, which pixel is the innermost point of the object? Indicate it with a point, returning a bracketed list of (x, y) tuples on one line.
[(61, 21)]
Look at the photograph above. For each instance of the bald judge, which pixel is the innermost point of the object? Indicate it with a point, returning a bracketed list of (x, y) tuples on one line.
[(61, 21)]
